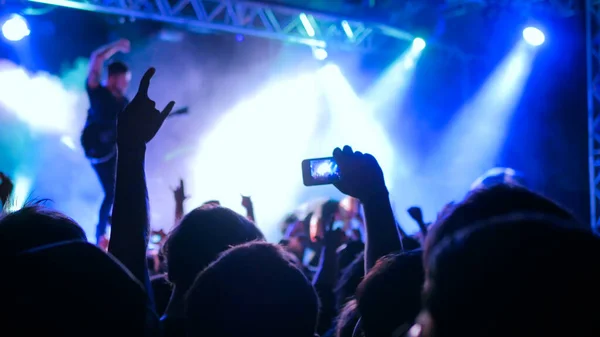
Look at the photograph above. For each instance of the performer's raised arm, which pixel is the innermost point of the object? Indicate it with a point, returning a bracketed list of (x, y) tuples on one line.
[(100, 56)]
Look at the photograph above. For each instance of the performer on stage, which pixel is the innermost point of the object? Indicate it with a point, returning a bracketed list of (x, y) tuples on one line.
[(99, 136)]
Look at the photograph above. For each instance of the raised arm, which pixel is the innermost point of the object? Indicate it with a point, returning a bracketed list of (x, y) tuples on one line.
[(362, 178), (180, 196), (137, 125), (99, 56), (249, 206)]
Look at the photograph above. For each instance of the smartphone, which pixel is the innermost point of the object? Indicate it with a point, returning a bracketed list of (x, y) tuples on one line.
[(320, 171)]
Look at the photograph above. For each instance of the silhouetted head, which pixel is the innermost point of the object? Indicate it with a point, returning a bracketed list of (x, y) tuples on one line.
[(347, 319), (119, 77), (497, 176), (252, 290), (70, 289), (199, 239), (34, 226), (486, 203), (389, 297), (521, 276)]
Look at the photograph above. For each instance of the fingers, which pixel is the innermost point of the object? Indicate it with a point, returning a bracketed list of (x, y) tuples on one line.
[(370, 158), (167, 110), (145, 82), (337, 152), (165, 113)]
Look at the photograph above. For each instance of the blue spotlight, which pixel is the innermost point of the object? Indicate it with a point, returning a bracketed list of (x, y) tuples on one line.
[(15, 28), (533, 36), (320, 53), (418, 44)]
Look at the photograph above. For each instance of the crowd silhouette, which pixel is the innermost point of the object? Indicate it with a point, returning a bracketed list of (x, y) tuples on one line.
[(504, 261)]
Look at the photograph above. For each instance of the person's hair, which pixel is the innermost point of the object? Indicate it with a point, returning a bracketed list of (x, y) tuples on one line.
[(117, 68), (499, 175), (199, 239), (347, 319), (486, 203), (252, 290), (349, 280), (35, 225), (389, 297), (518, 276), (162, 290), (69, 289)]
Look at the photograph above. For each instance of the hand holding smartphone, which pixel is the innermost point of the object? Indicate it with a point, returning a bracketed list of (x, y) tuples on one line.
[(320, 171)]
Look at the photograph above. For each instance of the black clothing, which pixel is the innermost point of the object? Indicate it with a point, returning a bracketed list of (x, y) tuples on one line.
[(99, 142)]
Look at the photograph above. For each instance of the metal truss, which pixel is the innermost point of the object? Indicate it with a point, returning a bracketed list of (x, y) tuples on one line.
[(593, 77), (250, 18)]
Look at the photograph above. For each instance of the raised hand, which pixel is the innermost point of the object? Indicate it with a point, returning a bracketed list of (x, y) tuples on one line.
[(179, 193), (246, 202), (123, 45), (140, 121), (361, 175), (328, 213), (416, 214), (334, 238)]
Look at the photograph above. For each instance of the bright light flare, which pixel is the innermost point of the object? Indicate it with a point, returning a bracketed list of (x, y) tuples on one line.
[(418, 44), (352, 121), (256, 149), (390, 88), (320, 53), (323, 169), (68, 142), (15, 28), (534, 36)]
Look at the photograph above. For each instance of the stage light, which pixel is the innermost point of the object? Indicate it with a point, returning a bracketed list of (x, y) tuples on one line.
[(320, 53), (15, 28), (307, 26), (418, 44), (533, 36), (347, 29)]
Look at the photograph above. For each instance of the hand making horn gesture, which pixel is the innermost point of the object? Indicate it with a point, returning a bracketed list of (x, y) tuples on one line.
[(139, 122)]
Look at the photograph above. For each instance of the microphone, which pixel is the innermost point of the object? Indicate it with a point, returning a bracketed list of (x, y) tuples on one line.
[(181, 111)]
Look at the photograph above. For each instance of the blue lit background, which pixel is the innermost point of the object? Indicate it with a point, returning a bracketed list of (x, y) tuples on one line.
[(435, 121)]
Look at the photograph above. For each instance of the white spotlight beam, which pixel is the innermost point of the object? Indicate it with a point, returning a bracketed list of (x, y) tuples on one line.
[(249, 18), (477, 133)]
